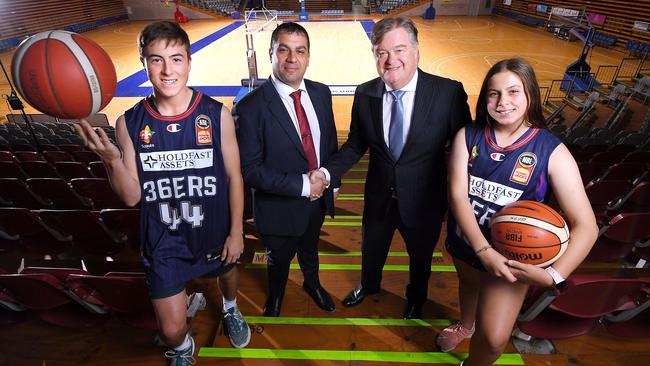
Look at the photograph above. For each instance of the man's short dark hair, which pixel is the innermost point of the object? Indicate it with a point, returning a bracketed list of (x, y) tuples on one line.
[(289, 27), (169, 31)]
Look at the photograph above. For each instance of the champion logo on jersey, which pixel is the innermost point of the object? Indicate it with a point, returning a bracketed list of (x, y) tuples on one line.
[(173, 127), (524, 168), (497, 156), (203, 128), (146, 134)]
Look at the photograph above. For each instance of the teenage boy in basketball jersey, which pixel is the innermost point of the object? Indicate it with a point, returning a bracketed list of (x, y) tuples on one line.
[(180, 160), (506, 156)]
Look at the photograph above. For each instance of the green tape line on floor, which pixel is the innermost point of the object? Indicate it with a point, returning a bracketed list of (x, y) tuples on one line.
[(342, 223), (353, 180), (332, 355), (349, 321), (357, 267)]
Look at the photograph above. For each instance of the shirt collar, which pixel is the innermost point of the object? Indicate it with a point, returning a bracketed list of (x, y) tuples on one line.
[(410, 86), (285, 90)]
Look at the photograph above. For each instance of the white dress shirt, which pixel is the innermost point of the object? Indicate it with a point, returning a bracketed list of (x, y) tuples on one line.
[(285, 94), (407, 101)]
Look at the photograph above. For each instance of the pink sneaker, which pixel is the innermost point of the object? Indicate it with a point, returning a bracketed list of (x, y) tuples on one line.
[(449, 338)]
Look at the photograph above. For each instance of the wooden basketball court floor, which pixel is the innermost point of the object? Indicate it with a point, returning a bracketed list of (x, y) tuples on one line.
[(461, 48)]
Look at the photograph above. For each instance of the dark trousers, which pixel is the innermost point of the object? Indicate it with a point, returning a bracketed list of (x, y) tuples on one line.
[(282, 249), (377, 235)]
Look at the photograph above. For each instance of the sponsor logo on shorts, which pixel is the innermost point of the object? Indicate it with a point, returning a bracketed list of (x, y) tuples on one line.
[(524, 168), (176, 160)]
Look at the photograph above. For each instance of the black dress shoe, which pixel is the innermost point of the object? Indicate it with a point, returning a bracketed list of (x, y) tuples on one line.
[(356, 296), (413, 311), (320, 297), (272, 307)]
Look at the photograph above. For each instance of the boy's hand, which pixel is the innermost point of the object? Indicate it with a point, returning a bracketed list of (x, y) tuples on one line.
[(97, 141), (232, 249)]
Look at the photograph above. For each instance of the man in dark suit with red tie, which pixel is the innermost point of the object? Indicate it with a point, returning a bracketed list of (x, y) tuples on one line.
[(405, 117), (286, 129)]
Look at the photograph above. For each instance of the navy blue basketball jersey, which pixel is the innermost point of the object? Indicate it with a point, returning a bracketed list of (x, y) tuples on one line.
[(184, 217), (499, 176)]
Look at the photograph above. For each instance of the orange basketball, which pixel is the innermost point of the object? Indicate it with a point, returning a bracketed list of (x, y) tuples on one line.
[(529, 232), (63, 74)]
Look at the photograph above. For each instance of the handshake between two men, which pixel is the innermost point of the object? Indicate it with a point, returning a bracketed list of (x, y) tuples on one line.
[(318, 183)]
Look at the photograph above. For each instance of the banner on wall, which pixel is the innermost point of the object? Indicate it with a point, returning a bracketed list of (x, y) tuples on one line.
[(565, 12), (595, 18), (541, 8), (642, 26)]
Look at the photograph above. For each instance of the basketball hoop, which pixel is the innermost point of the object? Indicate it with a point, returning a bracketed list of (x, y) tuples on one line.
[(256, 22)]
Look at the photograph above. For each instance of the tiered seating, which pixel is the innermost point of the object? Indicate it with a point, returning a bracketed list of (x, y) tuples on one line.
[(59, 193), (44, 293), (636, 48), (579, 307), (89, 234), (58, 219), (25, 17), (286, 13), (604, 39), (390, 5), (76, 298), (617, 185), (332, 12), (617, 237), (225, 7)]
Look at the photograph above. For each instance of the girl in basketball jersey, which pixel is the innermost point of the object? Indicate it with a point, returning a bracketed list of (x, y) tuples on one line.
[(506, 156), (180, 161)]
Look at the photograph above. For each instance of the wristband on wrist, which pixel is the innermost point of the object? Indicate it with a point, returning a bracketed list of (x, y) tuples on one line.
[(558, 280), (482, 249)]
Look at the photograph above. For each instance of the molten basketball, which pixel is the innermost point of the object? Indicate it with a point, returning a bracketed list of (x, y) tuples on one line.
[(63, 74), (529, 232)]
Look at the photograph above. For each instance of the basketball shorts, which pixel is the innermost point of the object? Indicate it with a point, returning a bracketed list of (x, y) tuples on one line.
[(465, 253), (171, 291)]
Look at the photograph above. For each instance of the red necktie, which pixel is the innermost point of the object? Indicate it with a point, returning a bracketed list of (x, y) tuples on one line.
[(305, 131)]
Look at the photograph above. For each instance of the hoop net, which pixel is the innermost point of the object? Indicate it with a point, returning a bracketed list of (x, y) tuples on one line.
[(256, 21)]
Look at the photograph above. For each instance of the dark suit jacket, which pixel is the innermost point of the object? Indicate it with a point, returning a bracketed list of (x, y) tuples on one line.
[(419, 177), (273, 159)]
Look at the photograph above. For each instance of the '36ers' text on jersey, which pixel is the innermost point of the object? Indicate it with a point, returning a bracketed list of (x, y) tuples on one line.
[(499, 176), (184, 217)]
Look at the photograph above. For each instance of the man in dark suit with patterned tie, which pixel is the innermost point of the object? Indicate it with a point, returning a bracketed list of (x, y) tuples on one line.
[(286, 129), (405, 117)]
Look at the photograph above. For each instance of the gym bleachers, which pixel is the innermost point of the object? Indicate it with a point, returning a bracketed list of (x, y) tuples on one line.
[(580, 306)]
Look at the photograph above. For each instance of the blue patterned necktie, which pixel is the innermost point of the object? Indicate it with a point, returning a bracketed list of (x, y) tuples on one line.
[(396, 128)]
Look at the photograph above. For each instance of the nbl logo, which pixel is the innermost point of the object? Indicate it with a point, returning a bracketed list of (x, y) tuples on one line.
[(527, 160)]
